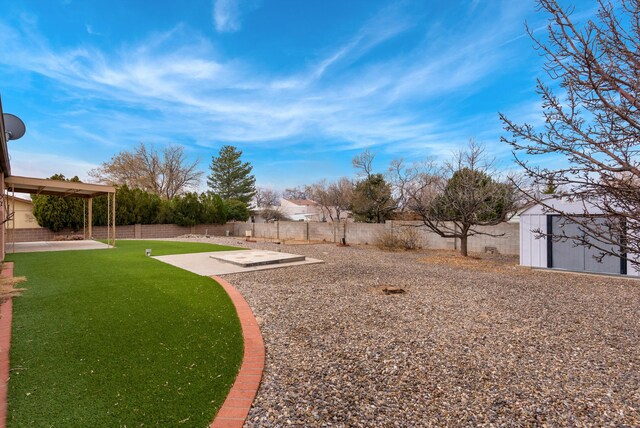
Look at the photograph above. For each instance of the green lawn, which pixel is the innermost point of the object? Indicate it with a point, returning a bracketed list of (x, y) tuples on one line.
[(112, 338)]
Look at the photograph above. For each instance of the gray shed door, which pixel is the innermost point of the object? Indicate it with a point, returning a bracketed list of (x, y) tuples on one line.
[(566, 255)]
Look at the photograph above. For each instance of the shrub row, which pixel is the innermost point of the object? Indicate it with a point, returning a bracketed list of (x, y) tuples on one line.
[(135, 206)]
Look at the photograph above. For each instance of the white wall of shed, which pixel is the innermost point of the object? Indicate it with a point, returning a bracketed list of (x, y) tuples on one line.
[(533, 250), (632, 270)]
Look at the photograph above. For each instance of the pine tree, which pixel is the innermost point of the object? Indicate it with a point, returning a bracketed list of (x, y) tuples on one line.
[(230, 177)]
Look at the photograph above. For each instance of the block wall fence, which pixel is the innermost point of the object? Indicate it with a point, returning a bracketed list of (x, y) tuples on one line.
[(367, 233), (353, 233)]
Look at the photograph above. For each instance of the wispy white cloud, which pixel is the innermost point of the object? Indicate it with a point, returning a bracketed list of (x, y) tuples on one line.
[(91, 30), (27, 163), (190, 91), (228, 14)]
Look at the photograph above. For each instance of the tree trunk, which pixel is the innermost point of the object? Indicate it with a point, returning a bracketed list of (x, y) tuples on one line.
[(463, 245)]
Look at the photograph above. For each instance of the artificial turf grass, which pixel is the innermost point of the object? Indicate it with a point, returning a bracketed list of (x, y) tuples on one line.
[(114, 338)]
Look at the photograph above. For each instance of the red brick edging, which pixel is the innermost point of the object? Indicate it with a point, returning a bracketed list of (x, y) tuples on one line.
[(235, 408), (5, 342)]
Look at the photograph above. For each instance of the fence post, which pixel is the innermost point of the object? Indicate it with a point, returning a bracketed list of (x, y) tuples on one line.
[(344, 232), (277, 229)]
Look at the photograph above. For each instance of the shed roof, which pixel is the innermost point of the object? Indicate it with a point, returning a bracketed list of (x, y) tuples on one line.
[(562, 203)]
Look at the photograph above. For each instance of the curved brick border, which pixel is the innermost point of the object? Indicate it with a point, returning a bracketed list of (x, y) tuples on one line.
[(235, 408), (5, 341)]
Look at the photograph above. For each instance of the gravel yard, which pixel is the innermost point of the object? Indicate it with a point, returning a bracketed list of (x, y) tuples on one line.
[(470, 343)]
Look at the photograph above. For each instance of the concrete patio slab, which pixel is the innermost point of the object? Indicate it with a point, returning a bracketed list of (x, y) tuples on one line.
[(212, 263), (257, 257), (31, 247)]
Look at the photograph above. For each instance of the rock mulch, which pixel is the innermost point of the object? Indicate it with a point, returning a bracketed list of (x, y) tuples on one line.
[(470, 342)]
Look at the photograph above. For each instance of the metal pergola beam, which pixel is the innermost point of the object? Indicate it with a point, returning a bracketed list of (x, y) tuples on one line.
[(68, 189)]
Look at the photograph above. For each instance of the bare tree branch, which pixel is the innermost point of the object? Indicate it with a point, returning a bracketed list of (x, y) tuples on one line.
[(595, 129), (166, 174)]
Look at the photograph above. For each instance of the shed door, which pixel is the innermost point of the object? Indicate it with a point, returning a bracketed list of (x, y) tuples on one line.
[(566, 255)]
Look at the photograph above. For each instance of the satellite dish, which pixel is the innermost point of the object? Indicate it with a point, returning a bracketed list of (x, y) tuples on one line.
[(13, 126)]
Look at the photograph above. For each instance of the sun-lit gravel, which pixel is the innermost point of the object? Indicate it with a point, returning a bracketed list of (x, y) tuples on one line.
[(471, 342)]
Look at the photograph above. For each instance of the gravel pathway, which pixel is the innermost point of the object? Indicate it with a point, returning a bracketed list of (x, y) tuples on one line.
[(470, 343)]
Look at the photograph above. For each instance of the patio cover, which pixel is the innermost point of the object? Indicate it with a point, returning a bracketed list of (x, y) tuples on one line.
[(69, 189)]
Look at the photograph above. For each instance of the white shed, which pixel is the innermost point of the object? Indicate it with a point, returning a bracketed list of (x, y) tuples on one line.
[(541, 252)]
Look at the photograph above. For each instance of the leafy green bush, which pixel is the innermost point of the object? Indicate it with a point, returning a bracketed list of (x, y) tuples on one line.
[(187, 210), (57, 213), (237, 210)]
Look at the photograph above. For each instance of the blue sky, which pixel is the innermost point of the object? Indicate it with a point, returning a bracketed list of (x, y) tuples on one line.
[(299, 86)]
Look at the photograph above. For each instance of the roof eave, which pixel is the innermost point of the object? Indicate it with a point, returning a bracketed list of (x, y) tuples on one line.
[(4, 152)]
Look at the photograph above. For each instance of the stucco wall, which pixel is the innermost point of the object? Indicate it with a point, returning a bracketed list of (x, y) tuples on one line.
[(23, 214)]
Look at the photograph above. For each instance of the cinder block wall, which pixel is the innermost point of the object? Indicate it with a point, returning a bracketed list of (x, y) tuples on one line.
[(367, 233), (356, 233), (137, 231)]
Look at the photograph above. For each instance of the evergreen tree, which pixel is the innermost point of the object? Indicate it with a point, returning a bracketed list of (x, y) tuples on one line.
[(236, 210), (215, 212), (56, 212), (230, 177), (133, 206), (187, 210), (372, 199)]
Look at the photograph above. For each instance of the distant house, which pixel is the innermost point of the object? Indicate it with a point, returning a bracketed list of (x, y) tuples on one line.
[(23, 213), (302, 210)]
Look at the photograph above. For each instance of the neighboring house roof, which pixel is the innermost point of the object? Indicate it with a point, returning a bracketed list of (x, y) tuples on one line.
[(301, 202), (25, 200)]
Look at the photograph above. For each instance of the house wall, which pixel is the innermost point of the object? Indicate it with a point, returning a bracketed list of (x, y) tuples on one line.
[(300, 212), (3, 213), (23, 214)]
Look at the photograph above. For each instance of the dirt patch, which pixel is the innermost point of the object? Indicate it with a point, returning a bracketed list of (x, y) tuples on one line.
[(8, 287), (485, 262)]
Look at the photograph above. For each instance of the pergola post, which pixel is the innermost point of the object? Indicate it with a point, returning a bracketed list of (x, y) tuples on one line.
[(114, 218), (90, 203), (13, 219), (108, 218)]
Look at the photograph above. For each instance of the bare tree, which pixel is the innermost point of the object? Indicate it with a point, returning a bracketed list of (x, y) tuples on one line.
[(318, 193), (405, 180), (298, 192), (341, 197), (166, 174), (458, 198), (268, 203), (363, 163), (273, 214), (266, 198), (333, 198), (594, 129)]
